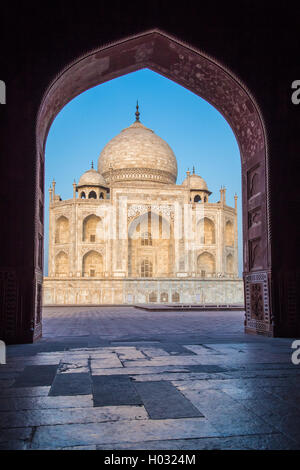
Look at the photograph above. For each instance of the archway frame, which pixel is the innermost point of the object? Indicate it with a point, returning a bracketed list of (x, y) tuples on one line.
[(208, 78)]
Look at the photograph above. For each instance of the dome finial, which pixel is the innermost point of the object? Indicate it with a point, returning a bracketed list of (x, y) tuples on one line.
[(193, 170), (92, 165), (137, 114)]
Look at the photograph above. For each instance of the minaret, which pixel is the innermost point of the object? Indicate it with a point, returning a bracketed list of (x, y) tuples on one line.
[(74, 190), (221, 195), (188, 174), (235, 202), (50, 194), (53, 186)]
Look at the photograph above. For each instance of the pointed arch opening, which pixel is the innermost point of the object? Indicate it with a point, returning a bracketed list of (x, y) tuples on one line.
[(61, 264), (92, 229), (206, 265), (92, 264), (207, 78), (62, 234), (206, 231)]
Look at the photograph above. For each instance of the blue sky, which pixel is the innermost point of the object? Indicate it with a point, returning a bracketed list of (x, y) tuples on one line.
[(197, 133)]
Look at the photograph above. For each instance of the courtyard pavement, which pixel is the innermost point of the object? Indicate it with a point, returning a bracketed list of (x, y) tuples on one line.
[(125, 378)]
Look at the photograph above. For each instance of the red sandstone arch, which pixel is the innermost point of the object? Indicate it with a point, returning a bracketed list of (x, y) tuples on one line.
[(209, 79)]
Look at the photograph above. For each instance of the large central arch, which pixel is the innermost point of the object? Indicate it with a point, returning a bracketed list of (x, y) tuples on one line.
[(212, 81)]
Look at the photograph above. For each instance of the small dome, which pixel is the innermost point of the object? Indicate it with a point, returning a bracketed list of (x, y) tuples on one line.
[(138, 154), (196, 182), (92, 178)]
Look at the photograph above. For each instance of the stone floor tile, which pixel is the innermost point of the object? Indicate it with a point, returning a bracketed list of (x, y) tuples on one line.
[(163, 401), (51, 437), (14, 445), (173, 361), (32, 403), (20, 433), (25, 392), (175, 377), (106, 363), (154, 352), (71, 384), (57, 416), (113, 390), (36, 376), (283, 416), (256, 442), (139, 370), (125, 353), (73, 366), (202, 349), (227, 415)]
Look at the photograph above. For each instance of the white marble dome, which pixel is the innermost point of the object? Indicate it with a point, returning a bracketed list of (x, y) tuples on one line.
[(138, 154), (92, 178), (196, 182)]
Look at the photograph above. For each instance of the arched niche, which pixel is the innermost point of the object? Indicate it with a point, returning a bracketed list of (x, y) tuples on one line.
[(229, 264), (62, 234), (206, 231), (91, 229), (229, 233), (151, 236), (61, 264), (206, 265), (92, 264)]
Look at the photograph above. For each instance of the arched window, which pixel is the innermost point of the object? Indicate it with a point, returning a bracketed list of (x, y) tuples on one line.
[(92, 195), (92, 264), (206, 264), (62, 230), (175, 297), (229, 233), (82, 195), (153, 297), (205, 198), (164, 297), (146, 239), (101, 196), (146, 268), (206, 230), (91, 229), (229, 264), (61, 264), (197, 198), (149, 233)]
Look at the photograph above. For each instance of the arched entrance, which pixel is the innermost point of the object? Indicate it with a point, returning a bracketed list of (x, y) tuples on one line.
[(210, 80)]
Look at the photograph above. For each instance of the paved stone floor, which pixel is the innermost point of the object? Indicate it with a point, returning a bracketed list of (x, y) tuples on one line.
[(124, 378)]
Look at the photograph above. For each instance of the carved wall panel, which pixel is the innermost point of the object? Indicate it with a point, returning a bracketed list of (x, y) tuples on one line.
[(8, 305), (257, 303)]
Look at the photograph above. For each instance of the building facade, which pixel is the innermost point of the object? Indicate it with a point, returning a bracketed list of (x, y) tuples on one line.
[(130, 234)]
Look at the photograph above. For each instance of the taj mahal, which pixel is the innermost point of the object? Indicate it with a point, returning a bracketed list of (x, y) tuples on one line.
[(131, 235)]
